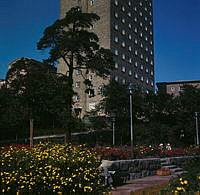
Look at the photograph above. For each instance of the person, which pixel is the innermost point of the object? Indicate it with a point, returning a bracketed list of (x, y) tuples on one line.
[(105, 164)]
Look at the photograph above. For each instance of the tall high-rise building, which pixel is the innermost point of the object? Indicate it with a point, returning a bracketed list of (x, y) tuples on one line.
[(125, 27)]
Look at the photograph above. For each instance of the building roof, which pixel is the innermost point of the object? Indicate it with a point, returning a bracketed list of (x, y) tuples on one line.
[(178, 82)]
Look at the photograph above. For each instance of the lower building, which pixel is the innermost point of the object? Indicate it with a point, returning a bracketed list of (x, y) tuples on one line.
[(175, 87), (2, 82)]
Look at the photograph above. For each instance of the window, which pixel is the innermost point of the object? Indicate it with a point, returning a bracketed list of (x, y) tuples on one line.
[(116, 78), (123, 69), (141, 45), (152, 83), (145, 18), (116, 15), (150, 13), (135, 30), (116, 52), (123, 56), (141, 35), (150, 23), (100, 89), (129, 3), (123, 81), (116, 39), (116, 2), (146, 39), (129, 14), (146, 49), (147, 81), (135, 19), (136, 75), (129, 25), (129, 48), (123, 20), (151, 73), (78, 84), (130, 72), (141, 24), (142, 78), (145, 8), (123, 32), (91, 2), (136, 53), (116, 65), (129, 36), (116, 27), (136, 64), (123, 44), (150, 33), (141, 56), (140, 3), (151, 62), (78, 98), (135, 8), (140, 13), (92, 92), (136, 41), (78, 72), (123, 8), (130, 60), (147, 70), (172, 89), (91, 106), (181, 88), (146, 59), (141, 67), (151, 52), (90, 77), (147, 91)]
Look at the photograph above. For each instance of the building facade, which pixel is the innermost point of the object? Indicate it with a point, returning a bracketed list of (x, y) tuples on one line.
[(175, 87), (125, 27), (2, 82)]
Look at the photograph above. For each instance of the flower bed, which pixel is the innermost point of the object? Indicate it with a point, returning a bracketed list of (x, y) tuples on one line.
[(49, 168), (124, 153)]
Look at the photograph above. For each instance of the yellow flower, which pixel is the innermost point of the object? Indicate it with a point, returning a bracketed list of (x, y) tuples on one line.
[(185, 182)]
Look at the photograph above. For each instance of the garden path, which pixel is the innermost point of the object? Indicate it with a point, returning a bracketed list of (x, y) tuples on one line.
[(147, 185)]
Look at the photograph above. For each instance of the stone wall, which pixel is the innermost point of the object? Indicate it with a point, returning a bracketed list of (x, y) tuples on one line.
[(138, 168)]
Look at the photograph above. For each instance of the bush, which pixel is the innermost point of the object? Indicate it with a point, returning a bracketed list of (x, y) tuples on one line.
[(189, 182), (50, 168)]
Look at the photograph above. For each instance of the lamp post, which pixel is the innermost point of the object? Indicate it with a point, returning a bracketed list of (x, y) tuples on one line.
[(197, 128), (130, 88), (113, 115)]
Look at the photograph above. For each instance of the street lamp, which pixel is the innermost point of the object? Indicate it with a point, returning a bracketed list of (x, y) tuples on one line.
[(197, 128), (130, 88), (113, 116)]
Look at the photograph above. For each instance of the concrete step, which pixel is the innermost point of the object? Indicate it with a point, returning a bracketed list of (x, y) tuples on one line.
[(168, 167), (163, 160), (180, 172), (165, 163), (176, 170)]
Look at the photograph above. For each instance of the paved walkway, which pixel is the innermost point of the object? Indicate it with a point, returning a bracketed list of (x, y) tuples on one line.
[(146, 185)]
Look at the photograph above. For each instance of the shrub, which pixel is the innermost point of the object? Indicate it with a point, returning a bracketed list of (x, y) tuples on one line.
[(50, 168), (189, 182)]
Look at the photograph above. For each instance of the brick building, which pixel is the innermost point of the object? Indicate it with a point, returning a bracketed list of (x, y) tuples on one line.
[(176, 86), (125, 27)]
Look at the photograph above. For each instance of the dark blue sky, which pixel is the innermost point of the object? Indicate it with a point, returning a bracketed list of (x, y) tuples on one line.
[(176, 34)]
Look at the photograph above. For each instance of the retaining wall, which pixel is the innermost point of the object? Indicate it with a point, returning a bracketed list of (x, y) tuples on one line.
[(138, 168)]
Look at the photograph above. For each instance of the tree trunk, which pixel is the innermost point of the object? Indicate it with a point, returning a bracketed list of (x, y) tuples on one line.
[(31, 132)]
